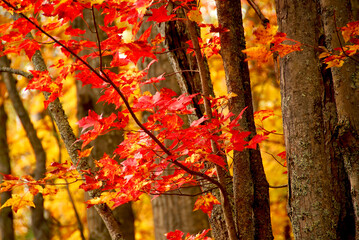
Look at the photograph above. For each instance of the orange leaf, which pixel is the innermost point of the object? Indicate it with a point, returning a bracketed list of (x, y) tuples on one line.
[(17, 202), (261, 54), (205, 203)]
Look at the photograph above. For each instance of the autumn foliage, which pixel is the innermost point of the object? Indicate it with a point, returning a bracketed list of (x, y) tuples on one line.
[(136, 167)]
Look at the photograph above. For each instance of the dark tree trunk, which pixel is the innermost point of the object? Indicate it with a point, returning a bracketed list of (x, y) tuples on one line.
[(346, 88), (319, 201), (177, 34), (87, 98), (172, 212), (6, 215), (250, 186), (40, 225)]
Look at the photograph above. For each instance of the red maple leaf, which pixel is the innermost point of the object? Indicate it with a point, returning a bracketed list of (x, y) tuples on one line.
[(205, 203), (160, 15)]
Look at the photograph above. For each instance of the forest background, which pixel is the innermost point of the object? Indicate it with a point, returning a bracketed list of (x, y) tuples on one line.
[(64, 205)]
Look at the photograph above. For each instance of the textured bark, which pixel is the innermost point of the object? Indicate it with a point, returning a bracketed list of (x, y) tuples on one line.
[(176, 34), (251, 194), (171, 212), (72, 147), (40, 225), (346, 88), (87, 98), (319, 204), (6, 215)]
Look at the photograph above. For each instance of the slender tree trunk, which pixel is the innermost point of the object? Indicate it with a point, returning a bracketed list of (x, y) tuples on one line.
[(72, 147), (251, 194), (319, 204), (172, 212), (177, 34), (87, 98), (346, 88), (6, 215), (40, 225)]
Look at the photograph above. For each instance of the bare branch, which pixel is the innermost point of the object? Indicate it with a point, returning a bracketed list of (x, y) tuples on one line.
[(16, 71), (280, 186), (263, 19)]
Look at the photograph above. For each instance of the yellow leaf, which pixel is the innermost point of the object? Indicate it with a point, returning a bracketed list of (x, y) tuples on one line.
[(324, 54), (261, 54), (91, 1), (195, 16), (17, 202), (265, 35), (85, 153)]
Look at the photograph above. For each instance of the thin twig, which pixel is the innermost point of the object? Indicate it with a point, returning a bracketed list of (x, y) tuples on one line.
[(280, 186), (263, 19), (98, 38), (275, 159), (16, 71), (182, 194)]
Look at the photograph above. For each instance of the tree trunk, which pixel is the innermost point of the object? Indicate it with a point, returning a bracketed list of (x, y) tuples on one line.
[(87, 98), (172, 212), (346, 88), (318, 203), (6, 215), (39, 223), (251, 194), (176, 35)]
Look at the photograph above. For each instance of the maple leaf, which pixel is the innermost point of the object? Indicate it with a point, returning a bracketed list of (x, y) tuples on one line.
[(261, 54), (90, 184), (146, 34), (263, 114), (199, 236), (74, 32), (30, 46), (85, 153), (177, 234), (160, 15), (205, 203), (17, 201), (283, 49), (217, 160), (237, 140), (195, 15), (350, 30), (42, 81), (265, 35), (334, 61), (101, 125), (282, 155), (9, 177), (255, 140), (154, 79), (24, 26)]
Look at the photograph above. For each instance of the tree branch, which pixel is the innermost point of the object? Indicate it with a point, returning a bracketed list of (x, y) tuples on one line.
[(16, 71), (263, 19), (226, 206)]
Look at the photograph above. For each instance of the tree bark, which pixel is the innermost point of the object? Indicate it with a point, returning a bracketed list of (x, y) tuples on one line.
[(40, 225), (171, 212), (87, 98), (250, 186), (346, 88), (72, 147), (177, 34), (6, 215), (318, 203)]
